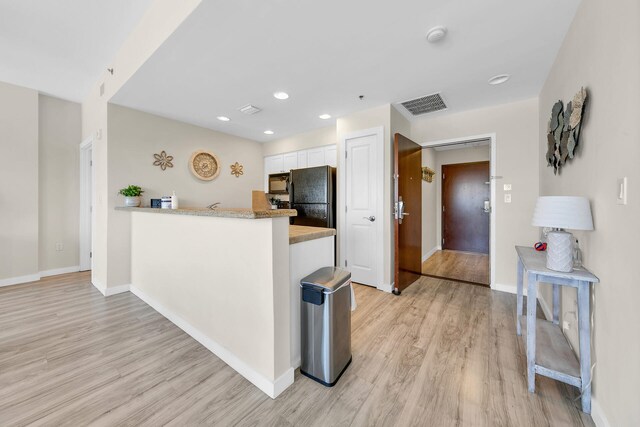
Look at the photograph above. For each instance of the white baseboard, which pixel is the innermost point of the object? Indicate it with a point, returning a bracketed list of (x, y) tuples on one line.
[(385, 287), (597, 414), (431, 252), (99, 286), (511, 289), (545, 308), (57, 271), (20, 279), (116, 290), (271, 388), (113, 290)]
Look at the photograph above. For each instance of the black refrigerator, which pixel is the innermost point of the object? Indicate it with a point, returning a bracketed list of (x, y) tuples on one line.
[(312, 192)]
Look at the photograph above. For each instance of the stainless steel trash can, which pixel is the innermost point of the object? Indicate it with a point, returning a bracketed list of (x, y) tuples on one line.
[(326, 324)]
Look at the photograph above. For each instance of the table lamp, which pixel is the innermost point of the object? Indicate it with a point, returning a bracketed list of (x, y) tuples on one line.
[(558, 213)]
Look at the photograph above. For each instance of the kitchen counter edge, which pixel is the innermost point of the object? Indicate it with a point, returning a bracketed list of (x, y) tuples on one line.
[(218, 212)]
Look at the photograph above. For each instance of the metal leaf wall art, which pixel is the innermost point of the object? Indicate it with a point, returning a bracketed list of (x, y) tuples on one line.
[(563, 132)]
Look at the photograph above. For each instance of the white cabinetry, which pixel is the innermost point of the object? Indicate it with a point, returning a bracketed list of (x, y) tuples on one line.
[(315, 157), (302, 159), (290, 161), (312, 157), (331, 156), (274, 164)]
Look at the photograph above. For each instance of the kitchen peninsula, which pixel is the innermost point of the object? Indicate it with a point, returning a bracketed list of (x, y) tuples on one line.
[(229, 278)]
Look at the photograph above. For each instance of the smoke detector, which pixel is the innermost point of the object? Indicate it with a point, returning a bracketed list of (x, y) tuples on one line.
[(249, 109), (425, 104), (436, 34)]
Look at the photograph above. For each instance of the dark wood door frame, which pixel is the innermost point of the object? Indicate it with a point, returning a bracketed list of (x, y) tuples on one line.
[(408, 235), (476, 222)]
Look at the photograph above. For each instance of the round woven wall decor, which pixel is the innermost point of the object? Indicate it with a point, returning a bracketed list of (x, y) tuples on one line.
[(204, 165)]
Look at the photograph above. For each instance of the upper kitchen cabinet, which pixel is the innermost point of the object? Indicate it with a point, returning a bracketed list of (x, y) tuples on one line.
[(274, 164), (290, 161), (302, 159), (331, 156), (316, 157), (319, 156)]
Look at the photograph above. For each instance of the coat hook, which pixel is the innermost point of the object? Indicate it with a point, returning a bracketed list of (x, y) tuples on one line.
[(110, 70)]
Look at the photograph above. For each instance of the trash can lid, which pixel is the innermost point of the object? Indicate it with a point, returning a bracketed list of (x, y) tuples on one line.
[(329, 278)]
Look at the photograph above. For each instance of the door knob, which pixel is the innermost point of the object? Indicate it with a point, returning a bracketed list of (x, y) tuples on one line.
[(369, 218)]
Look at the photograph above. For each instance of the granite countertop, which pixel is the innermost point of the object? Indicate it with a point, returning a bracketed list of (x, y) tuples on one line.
[(218, 212), (300, 233)]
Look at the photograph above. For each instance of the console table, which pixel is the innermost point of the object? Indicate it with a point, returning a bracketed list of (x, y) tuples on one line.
[(552, 356)]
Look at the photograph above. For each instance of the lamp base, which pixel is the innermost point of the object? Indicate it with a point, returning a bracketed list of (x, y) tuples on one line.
[(560, 251)]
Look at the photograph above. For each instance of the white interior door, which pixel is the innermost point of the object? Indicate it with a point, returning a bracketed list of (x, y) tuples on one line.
[(86, 205), (363, 217)]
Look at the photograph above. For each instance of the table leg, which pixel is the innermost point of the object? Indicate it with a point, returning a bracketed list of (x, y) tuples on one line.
[(532, 299), (556, 304), (519, 298), (584, 328)]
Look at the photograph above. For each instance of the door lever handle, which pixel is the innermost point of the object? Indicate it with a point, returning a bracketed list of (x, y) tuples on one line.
[(405, 213), (369, 218)]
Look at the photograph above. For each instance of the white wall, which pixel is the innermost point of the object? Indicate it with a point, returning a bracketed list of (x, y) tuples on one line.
[(59, 182), (602, 52), (18, 184), (429, 210), (516, 129), (134, 137), (160, 20), (301, 141)]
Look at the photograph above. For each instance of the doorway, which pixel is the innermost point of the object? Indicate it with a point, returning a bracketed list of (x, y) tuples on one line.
[(465, 207), (86, 205), (460, 215)]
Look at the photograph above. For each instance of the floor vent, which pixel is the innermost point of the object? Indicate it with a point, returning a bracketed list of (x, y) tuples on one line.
[(425, 104)]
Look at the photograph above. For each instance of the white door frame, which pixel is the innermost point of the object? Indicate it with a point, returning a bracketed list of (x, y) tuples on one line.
[(87, 214), (342, 190), (492, 166)]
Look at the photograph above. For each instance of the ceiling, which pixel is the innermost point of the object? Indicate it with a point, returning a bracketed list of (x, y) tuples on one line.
[(61, 47), (325, 54)]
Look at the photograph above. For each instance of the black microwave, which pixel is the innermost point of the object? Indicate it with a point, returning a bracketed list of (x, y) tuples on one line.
[(279, 183)]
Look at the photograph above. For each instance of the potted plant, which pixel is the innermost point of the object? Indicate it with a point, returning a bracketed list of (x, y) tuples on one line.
[(274, 202), (131, 195)]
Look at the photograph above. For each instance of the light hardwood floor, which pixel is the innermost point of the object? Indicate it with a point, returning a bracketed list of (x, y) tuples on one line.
[(463, 266), (442, 353)]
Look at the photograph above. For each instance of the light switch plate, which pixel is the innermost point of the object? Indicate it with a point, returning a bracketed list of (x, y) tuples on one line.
[(622, 191), (507, 187), (507, 198)]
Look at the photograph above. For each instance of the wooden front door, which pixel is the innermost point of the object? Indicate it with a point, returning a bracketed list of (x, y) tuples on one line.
[(408, 221), (465, 218)]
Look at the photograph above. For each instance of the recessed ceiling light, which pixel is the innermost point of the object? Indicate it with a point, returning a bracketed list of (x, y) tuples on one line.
[(268, 132), (324, 116), (281, 95), (436, 34), (223, 118), (499, 79)]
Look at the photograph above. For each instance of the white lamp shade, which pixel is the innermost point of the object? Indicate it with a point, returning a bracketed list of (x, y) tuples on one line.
[(568, 212)]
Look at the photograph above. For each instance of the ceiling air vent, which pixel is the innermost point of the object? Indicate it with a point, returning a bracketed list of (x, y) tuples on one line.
[(425, 104), (249, 109)]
